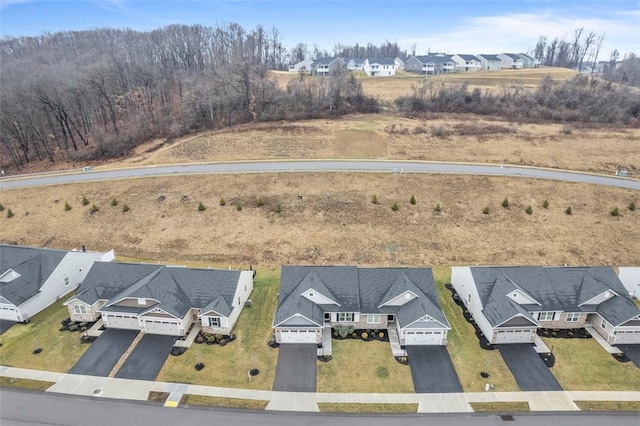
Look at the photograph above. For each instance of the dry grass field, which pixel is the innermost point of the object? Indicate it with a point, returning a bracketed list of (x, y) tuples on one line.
[(467, 138), (334, 222)]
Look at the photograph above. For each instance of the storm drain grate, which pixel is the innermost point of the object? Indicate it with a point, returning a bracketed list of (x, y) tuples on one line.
[(507, 418)]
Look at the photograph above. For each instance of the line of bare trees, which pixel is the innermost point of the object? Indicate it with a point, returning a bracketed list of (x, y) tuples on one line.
[(99, 93)]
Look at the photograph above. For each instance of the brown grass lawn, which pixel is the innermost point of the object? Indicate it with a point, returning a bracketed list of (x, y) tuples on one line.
[(367, 408), (583, 365), (348, 371), (469, 359), (60, 349), (469, 138), (608, 405), (228, 366), (11, 382), (214, 401), (499, 407)]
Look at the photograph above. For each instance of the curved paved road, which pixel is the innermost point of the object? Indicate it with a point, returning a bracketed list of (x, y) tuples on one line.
[(380, 166)]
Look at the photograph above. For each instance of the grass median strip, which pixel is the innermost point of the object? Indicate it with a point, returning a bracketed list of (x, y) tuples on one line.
[(11, 382), (158, 396), (215, 401), (608, 405), (499, 407), (363, 408)]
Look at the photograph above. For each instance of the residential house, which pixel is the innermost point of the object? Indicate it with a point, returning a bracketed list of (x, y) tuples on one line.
[(430, 65), (33, 278), (490, 62), (354, 63), (302, 66), (528, 61), (404, 301), (509, 304), (159, 299), (325, 67), (379, 67), (399, 61), (467, 63), (630, 278), (511, 61)]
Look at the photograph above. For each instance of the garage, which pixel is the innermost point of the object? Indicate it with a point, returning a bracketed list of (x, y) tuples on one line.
[(167, 328), (122, 321), (513, 336), (9, 314), (630, 336), (423, 338), (298, 336)]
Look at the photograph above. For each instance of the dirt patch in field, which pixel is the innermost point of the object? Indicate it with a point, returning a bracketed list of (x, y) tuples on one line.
[(329, 218)]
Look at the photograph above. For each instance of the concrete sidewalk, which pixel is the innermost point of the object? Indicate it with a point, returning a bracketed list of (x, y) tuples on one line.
[(104, 387)]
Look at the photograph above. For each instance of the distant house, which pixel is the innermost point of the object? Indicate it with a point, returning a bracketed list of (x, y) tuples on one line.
[(302, 66), (509, 304), (404, 301), (33, 278), (467, 63), (430, 64), (325, 67), (354, 63), (159, 299), (399, 62), (379, 67), (490, 62), (511, 61), (528, 61), (630, 278)]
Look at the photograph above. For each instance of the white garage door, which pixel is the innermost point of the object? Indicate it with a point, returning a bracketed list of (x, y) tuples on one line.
[(627, 337), (298, 336), (8, 314), (121, 321), (162, 327), (513, 336), (423, 338)]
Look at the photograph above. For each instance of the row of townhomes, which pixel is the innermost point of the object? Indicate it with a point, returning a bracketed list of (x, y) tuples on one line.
[(509, 304), (432, 64)]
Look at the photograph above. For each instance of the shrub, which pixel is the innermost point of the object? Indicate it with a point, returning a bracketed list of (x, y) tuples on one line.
[(485, 210), (1, 207), (9, 213), (374, 199), (67, 207), (382, 372), (364, 335), (615, 212), (114, 202), (277, 208), (529, 209), (260, 202), (85, 201), (125, 208), (354, 335), (394, 207), (222, 202), (381, 335), (437, 208), (201, 207), (545, 204), (412, 200), (568, 210), (631, 206), (505, 203), (239, 207), (344, 330), (94, 209)]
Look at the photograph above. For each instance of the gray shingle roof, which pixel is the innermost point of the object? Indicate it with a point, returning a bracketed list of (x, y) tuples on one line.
[(527, 56), (555, 288), (34, 265), (433, 59), (325, 61), (468, 57), (513, 56), (381, 61), (490, 57)]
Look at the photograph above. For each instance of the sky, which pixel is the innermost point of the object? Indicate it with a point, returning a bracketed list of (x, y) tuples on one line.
[(450, 26)]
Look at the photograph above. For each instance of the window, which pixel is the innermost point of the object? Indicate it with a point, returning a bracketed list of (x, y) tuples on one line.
[(546, 316), (79, 309), (66, 281), (214, 321), (604, 324), (345, 316), (373, 318), (573, 317), (310, 294)]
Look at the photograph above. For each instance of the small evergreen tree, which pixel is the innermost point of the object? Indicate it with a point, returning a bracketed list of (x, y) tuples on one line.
[(632, 206), (201, 207), (615, 212), (85, 201), (485, 210), (222, 202), (1, 207), (394, 207), (9, 213), (412, 200), (505, 203), (114, 202), (568, 210), (437, 208), (545, 204), (260, 202), (277, 208), (94, 209), (67, 206), (239, 207), (374, 199), (529, 209), (125, 208)]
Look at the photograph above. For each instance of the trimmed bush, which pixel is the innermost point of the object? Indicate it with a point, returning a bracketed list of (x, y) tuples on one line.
[(85, 201), (364, 335), (125, 208), (382, 372), (631, 206), (374, 199), (505, 203), (485, 210), (394, 207), (437, 208), (569, 211), (10, 213), (201, 207), (222, 202), (615, 212), (114, 202), (545, 204), (529, 209), (412, 200), (67, 207)]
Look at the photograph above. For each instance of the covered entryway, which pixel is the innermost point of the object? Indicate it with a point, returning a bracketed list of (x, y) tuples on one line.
[(513, 336), (167, 328), (423, 338), (627, 337), (123, 322), (299, 336), (8, 313)]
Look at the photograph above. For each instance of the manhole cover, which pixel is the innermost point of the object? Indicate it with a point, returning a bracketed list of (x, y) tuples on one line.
[(97, 391)]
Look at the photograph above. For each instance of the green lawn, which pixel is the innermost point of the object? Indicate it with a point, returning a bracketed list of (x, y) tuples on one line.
[(583, 365), (60, 349), (214, 401), (469, 359), (228, 366), (367, 408), (363, 367), (499, 407)]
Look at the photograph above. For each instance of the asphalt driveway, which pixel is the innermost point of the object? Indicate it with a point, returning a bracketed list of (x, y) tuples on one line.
[(147, 358), (104, 353), (296, 370), (530, 372), (5, 325), (633, 353), (432, 370)]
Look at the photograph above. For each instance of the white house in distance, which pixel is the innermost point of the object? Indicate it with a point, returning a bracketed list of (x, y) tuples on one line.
[(159, 299), (529, 61), (511, 61), (302, 66), (379, 67), (509, 304), (467, 63), (33, 278), (354, 64), (630, 278), (490, 62)]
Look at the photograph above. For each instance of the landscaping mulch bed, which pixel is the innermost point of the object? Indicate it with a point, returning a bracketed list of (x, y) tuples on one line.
[(214, 339), (68, 325), (367, 335), (568, 333)]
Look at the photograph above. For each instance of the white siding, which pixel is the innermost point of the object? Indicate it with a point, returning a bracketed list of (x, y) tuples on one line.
[(318, 298), (463, 282), (244, 289), (630, 278)]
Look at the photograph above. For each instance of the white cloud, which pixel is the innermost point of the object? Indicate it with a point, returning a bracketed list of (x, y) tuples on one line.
[(7, 3)]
